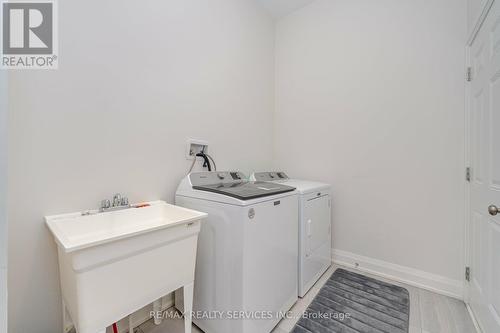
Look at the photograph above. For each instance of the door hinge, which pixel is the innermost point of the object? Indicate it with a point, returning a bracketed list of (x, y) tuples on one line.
[(467, 274), (468, 74), (468, 174)]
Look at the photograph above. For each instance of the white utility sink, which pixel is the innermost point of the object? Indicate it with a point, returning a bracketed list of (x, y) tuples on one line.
[(114, 263)]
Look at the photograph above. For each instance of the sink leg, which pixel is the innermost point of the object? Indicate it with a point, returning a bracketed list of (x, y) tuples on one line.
[(188, 307), (157, 310), (130, 324), (64, 316)]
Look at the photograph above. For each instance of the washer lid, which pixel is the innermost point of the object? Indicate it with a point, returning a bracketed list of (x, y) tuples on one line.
[(303, 186), (246, 190)]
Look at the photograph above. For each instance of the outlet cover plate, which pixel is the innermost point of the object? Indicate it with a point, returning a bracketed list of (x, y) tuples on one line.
[(193, 147)]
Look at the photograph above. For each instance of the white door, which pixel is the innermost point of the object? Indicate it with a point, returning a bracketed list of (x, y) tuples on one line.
[(485, 180), (3, 201)]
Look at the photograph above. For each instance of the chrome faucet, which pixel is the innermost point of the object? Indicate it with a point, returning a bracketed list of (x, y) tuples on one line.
[(119, 202)]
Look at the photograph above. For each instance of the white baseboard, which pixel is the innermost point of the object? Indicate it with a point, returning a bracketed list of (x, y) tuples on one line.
[(411, 276)]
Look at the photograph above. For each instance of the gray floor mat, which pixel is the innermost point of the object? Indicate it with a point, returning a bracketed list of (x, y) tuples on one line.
[(354, 303)]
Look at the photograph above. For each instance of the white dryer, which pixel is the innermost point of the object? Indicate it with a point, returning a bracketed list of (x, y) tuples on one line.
[(315, 236), (246, 268)]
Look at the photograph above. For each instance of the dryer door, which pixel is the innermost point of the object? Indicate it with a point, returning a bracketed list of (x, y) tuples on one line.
[(318, 227)]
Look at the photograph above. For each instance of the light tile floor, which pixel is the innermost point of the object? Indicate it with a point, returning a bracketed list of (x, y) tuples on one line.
[(429, 312)]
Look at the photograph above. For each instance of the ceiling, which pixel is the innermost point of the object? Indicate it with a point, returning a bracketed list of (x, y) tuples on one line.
[(279, 8)]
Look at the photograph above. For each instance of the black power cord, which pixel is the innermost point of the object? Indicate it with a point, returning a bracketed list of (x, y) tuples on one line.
[(206, 163)]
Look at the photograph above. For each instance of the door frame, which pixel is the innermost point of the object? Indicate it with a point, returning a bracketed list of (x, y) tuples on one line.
[(3, 199), (468, 63)]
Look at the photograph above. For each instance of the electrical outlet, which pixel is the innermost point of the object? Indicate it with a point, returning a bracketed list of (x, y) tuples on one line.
[(194, 147)]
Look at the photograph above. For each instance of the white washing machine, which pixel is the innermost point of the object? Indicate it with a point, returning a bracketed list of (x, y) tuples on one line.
[(315, 236), (246, 268)]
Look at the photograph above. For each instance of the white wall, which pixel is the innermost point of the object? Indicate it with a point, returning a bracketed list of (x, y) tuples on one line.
[(3, 201), (280, 8), (136, 79), (369, 97)]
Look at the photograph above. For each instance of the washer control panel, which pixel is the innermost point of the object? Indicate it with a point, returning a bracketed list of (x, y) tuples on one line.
[(216, 177)]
